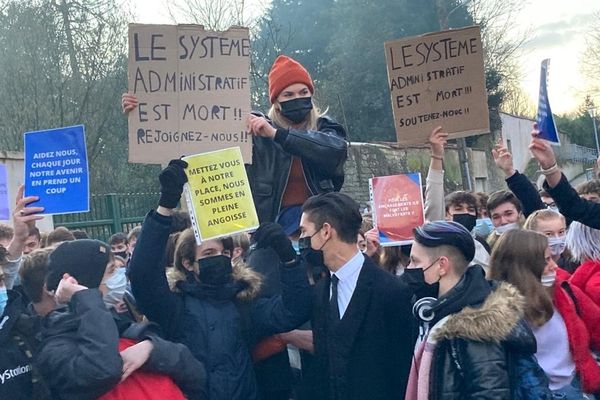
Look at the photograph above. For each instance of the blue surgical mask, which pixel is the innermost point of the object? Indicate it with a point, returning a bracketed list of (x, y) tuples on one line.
[(296, 246), (3, 299), (116, 285)]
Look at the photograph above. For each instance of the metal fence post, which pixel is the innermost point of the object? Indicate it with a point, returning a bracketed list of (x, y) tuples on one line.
[(112, 200)]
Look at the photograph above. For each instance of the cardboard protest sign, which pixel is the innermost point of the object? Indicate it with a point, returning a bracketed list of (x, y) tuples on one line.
[(545, 119), (218, 194), (397, 207), (56, 170), (438, 79), (193, 91), (4, 206)]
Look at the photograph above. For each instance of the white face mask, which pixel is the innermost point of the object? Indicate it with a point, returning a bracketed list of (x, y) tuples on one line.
[(116, 285), (548, 280), (557, 245), (505, 228)]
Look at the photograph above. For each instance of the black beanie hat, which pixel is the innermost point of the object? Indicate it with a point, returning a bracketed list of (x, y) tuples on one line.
[(449, 233), (85, 260)]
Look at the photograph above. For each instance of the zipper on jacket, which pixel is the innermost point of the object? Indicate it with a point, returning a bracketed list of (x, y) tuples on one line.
[(285, 187)]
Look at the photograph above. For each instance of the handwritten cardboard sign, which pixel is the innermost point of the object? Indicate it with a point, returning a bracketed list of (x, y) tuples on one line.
[(397, 207), (438, 79), (193, 91), (56, 170), (218, 194)]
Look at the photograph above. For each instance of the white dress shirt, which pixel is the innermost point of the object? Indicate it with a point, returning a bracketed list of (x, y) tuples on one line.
[(348, 276)]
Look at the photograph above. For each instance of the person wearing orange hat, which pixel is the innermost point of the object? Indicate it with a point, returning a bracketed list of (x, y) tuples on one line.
[(298, 151)]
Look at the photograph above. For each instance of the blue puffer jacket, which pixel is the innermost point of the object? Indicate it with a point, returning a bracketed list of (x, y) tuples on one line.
[(218, 326)]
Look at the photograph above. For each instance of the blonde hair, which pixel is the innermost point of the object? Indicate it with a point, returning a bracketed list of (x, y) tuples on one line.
[(583, 242), (532, 222), (310, 123)]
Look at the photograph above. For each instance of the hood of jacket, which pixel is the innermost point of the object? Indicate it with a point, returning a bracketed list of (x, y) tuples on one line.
[(247, 280), (499, 319)]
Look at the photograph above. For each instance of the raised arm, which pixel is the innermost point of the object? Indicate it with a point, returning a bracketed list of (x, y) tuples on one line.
[(518, 183), (435, 209), (568, 201), (147, 267)]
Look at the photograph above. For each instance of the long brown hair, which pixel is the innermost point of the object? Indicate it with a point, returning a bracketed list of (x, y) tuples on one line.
[(519, 258)]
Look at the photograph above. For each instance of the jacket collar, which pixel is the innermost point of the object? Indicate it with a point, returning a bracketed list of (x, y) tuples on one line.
[(497, 320)]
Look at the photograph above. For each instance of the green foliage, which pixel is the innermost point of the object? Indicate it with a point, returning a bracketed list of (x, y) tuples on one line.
[(578, 127), (64, 63), (341, 44)]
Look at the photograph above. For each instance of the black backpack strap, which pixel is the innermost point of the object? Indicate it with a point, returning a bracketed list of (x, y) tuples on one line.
[(485, 244)]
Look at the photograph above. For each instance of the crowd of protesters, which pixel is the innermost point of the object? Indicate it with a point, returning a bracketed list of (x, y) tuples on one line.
[(498, 296)]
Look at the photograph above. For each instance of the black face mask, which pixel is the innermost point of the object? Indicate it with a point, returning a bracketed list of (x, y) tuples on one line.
[(467, 220), (296, 110), (122, 254), (310, 255), (215, 270)]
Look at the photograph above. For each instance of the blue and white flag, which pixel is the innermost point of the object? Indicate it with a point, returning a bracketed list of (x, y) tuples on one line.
[(56, 170), (545, 120)]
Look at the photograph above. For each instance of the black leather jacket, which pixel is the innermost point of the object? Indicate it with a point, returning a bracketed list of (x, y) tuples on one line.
[(322, 152)]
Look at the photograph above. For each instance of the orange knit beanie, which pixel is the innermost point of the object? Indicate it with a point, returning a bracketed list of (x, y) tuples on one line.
[(285, 72)]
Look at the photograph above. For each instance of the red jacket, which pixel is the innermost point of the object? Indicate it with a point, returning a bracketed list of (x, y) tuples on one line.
[(587, 278), (582, 320)]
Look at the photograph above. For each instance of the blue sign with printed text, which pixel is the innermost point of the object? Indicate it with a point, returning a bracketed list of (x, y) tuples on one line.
[(56, 170), (545, 120), (4, 205)]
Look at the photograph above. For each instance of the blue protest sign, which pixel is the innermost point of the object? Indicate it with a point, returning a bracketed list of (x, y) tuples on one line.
[(4, 208), (545, 120), (56, 170)]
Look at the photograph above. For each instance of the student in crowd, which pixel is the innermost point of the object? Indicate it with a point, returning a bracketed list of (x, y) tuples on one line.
[(363, 346), (569, 203), (472, 331), (590, 190), (59, 235), (483, 226), (33, 240), (553, 225), (459, 206), (132, 236), (119, 244), (564, 320), (548, 200), (215, 310), (80, 234), (298, 151), (84, 352), (583, 243), (518, 183), (17, 346)]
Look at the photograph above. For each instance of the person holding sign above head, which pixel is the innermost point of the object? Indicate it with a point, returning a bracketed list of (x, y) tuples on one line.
[(298, 152), (211, 306)]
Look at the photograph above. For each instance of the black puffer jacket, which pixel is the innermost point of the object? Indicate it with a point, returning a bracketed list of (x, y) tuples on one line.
[(79, 355), (477, 346), (322, 152)]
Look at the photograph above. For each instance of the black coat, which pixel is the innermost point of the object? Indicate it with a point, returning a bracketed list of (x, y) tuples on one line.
[(16, 370), (527, 194), (322, 152), (79, 355), (478, 345), (218, 329), (368, 354), (572, 206)]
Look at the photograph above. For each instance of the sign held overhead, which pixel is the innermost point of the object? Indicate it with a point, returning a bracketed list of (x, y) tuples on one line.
[(438, 79)]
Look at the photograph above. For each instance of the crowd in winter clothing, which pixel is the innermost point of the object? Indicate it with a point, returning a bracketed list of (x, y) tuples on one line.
[(497, 297)]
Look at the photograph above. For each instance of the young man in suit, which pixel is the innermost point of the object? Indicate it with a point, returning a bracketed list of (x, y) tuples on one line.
[(362, 320)]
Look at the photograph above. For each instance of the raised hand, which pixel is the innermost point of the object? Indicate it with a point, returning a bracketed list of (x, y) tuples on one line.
[(128, 102), (503, 158), (259, 126), (437, 142)]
